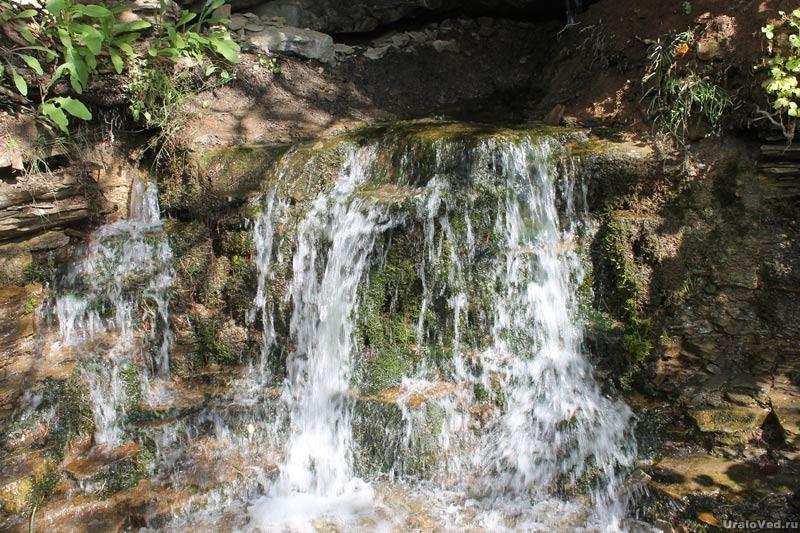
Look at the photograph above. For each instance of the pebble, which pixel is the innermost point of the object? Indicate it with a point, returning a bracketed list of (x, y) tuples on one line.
[(445, 46), (343, 49), (376, 53), (253, 27)]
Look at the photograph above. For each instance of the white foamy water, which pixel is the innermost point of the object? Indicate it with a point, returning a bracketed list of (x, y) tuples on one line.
[(316, 478), (540, 449), (555, 429), (113, 306), (264, 238)]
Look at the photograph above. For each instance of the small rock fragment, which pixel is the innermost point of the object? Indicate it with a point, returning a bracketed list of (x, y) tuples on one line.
[(376, 52), (445, 46), (555, 116), (343, 49), (708, 50)]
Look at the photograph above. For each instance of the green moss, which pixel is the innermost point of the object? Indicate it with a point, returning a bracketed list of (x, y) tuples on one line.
[(72, 414), (31, 303), (211, 347), (212, 294), (387, 369), (637, 345), (618, 238), (388, 314), (380, 433), (185, 236), (210, 184), (237, 242), (126, 474), (132, 384), (42, 487), (42, 269), (240, 286), (728, 419)]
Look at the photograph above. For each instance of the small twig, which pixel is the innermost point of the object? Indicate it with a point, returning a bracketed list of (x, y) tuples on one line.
[(17, 98), (788, 133), (565, 28), (33, 513)]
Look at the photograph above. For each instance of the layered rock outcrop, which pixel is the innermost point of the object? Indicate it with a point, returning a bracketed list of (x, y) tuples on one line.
[(332, 16)]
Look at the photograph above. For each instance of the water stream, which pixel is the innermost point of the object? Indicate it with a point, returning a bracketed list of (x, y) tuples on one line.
[(497, 422), (113, 308)]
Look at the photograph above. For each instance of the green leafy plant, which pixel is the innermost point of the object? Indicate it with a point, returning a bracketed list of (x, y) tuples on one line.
[(269, 63), (81, 40), (184, 39), (25, 49), (784, 65), (679, 97), (687, 8), (86, 35)]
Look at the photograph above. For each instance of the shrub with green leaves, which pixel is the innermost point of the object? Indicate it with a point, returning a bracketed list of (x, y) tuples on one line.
[(784, 64), (184, 38), (76, 41), (26, 46)]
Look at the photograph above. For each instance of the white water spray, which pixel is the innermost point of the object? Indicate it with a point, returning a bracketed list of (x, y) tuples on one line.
[(120, 284), (316, 478)]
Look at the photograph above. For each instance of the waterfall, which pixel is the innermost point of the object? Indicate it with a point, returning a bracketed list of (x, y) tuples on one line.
[(487, 416), (118, 289), (264, 239), (554, 430), (316, 478), (557, 425), (573, 8)]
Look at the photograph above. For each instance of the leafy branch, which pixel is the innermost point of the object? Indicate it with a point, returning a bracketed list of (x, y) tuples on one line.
[(68, 40), (784, 66)]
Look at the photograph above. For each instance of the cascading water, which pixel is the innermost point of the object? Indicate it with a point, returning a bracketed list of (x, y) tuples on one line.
[(264, 240), (556, 425), (118, 289), (555, 429), (493, 420), (316, 478)]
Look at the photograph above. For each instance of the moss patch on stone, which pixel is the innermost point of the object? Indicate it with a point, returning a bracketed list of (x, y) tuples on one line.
[(126, 473), (380, 433), (388, 313), (729, 419), (72, 414), (618, 237)]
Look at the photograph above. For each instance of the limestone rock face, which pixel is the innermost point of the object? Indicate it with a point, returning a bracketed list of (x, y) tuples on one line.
[(17, 342), (38, 211), (288, 39), (333, 16)]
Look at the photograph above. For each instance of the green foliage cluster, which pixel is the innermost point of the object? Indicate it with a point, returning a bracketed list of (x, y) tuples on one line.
[(784, 65), (679, 96), (76, 41)]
